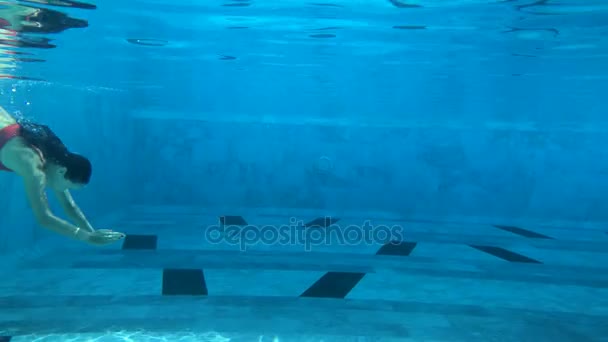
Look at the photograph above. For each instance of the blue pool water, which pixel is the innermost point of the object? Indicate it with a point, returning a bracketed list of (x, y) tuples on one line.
[(335, 170)]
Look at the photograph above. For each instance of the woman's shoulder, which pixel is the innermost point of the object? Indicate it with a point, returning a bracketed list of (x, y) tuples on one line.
[(18, 155)]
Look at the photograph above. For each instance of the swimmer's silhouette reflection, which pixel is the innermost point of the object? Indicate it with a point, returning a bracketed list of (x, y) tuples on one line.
[(26, 19), (18, 22)]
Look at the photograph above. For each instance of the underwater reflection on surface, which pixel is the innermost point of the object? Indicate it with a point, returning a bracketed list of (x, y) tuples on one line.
[(21, 26)]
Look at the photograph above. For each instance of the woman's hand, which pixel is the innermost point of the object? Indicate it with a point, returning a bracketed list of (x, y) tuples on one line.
[(104, 237)]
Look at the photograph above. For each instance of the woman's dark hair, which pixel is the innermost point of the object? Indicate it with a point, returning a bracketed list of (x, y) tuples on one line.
[(78, 168)]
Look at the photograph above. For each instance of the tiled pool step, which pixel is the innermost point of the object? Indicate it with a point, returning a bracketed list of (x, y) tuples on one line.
[(283, 316)]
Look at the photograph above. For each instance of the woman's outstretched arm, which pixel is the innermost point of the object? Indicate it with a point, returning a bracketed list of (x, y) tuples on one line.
[(73, 211), (35, 185)]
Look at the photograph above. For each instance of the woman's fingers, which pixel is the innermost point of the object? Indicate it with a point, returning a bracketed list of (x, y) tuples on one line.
[(113, 235)]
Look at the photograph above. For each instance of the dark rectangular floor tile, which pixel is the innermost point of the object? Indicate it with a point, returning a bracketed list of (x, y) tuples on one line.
[(334, 285), (322, 222), (5, 338), (523, 232), (184, 282), (232, 221), (140, 242), (506, 254), (400, 248)]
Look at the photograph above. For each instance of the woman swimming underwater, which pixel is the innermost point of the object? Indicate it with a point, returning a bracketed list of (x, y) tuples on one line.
[(35, 153)]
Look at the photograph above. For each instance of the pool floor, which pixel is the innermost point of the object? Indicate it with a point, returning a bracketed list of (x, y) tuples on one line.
[(189, 274)]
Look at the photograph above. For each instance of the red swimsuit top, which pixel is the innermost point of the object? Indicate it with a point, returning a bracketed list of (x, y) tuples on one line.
[(6, 134)]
